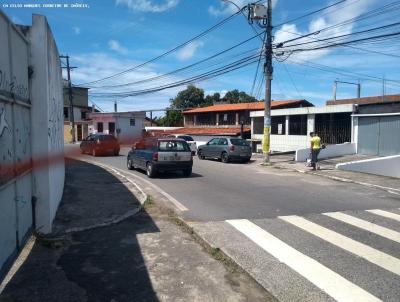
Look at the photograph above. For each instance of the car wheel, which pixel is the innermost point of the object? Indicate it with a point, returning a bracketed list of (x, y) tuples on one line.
[(200, 154), (150, 171), (116, 152), (224, 157), (94, 152), (130, 165), (187, 172)]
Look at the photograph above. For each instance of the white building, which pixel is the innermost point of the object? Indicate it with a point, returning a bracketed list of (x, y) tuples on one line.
[(126, 126), (290, 127)]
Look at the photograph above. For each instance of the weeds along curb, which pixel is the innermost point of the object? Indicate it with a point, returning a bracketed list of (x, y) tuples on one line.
[(216, 253)]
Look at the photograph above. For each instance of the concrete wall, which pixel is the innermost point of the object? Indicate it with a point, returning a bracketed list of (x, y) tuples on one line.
[(80, 97), (47, 122), (15, 139), (127, 133), (285, 143), (386, 166), (329, 152)]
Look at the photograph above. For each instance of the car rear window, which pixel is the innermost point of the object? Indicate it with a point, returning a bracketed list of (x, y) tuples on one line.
[(239, 142), (186, 138), (173, 146), (107, 138)]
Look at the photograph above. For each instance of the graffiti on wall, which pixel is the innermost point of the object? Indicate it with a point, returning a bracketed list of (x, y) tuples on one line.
[(6, 151), (56, 121), (11, 85), (3, 122)]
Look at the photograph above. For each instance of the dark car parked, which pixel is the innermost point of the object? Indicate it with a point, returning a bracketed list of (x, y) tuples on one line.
[(97, 144), (225, 149), (160, 155)]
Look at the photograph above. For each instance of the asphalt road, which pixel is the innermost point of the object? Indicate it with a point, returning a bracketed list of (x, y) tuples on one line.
[(302, 237), (218, 191)]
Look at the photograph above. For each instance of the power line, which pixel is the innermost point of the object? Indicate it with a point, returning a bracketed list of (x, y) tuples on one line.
[(183, 68), (310, 13), (201, 77), (170, 51)]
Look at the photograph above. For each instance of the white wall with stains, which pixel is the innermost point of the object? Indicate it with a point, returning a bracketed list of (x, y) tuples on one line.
[(47, 122)]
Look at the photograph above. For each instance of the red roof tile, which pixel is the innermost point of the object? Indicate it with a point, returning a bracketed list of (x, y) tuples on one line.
[(202, 131), (246, 106)]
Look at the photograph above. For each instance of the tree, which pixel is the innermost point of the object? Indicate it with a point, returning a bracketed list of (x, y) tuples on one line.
[(236, 96), (211, 99), (172, 118), (189, 98)]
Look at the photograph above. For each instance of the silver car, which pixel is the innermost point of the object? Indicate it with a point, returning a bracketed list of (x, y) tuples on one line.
[(226, 149)]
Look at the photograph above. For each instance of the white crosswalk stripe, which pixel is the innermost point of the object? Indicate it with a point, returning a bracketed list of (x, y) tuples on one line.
[(379, 258), (345, 258), (366, 225), (385, 214), (327, 280)]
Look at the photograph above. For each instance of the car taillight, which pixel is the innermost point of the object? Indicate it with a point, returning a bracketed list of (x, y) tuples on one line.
[(155, 156), (232, 148)]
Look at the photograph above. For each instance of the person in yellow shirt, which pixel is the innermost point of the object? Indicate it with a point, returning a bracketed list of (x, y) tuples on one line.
[(315, 147)]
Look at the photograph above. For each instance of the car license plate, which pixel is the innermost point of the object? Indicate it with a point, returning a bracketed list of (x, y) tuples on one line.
[(175, 158), (243, 154)]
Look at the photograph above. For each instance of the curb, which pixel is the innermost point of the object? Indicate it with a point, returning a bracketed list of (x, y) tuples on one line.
[(175, 218), (216, 252)]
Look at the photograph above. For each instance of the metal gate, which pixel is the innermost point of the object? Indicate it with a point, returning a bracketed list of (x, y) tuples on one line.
[(379, 135), (16, 217)]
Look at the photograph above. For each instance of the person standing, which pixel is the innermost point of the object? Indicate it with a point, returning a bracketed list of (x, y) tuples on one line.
[(315, 147)]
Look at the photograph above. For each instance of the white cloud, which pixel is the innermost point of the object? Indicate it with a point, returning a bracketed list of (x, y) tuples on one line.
[(77, 30), (188, 51), (332, 17), (97, 65), (226, 8), (114, 45), (148, 5)]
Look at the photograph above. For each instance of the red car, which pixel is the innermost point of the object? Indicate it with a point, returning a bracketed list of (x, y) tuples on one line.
[(97, 144)]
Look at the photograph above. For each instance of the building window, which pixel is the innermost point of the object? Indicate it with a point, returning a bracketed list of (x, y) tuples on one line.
[(66, 112), (100, 127), (278, 125), (132, 122), (83, 115), (298, 124), (225, 117)]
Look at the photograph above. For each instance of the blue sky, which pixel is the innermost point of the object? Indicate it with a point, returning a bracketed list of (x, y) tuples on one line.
[(112, 35)]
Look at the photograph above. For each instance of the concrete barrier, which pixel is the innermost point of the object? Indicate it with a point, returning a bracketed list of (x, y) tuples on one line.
[(328, 152), (386, 166)]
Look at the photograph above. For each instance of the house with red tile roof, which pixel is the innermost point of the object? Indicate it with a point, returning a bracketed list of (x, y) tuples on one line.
[(232, 115)]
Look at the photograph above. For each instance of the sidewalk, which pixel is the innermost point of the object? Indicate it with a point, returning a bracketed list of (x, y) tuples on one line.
[(327, 169), (106, 246)]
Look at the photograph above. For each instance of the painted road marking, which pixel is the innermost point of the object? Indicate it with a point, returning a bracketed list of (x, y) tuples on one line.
[(374, 256), (385, 214), (332, 283), (175, 202), (366, 225)]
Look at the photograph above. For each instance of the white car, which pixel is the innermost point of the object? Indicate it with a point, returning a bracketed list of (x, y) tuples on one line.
[(190, 141)]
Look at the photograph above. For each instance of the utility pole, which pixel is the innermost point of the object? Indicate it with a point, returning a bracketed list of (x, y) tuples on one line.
[(70, 97), (263, 17)]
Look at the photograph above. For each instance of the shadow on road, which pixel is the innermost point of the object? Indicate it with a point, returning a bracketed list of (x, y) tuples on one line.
[(101, 264)]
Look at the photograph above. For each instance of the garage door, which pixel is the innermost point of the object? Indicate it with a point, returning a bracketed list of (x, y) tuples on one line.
[(379, 135)]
